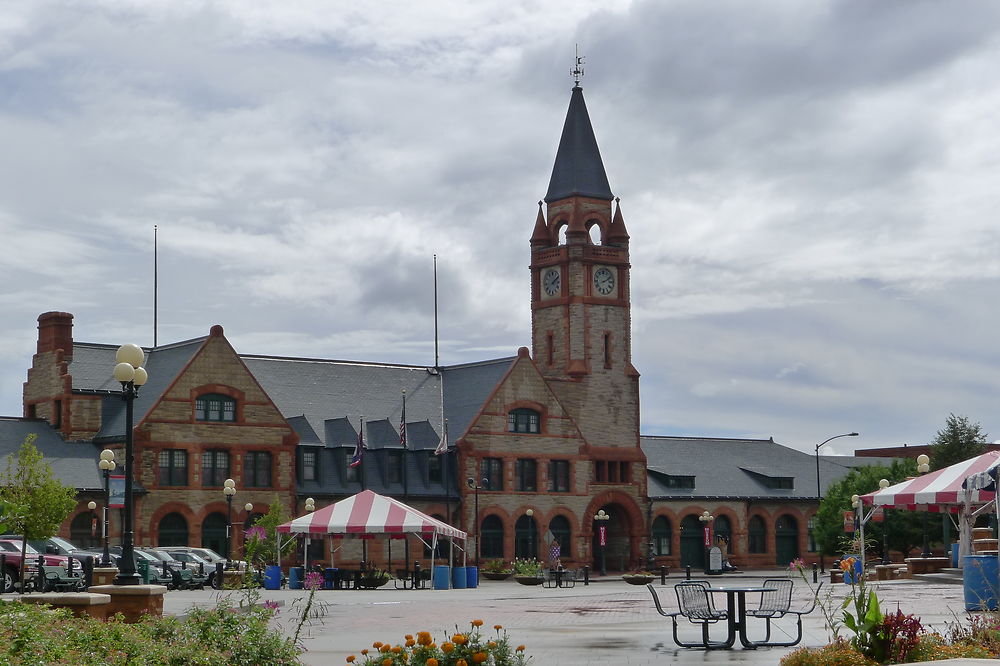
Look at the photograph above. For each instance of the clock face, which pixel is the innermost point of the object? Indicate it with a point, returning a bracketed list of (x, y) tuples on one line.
[(604, 281), (550, 282)]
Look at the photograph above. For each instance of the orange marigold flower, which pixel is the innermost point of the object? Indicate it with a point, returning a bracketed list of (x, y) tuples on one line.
[(461, 662), (498, 627), (410, 642), (432, 662), (479, 657), (460, 639), (408, 637), (447, 648), (492, 644), (520, 648), (387, 662), (385, 648), (397, 649), (424, 638), (365, 651), (477, 623), (377, 644), (350, 658)]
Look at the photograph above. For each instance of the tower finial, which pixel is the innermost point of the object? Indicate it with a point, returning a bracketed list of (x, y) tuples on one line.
[(577, 71)]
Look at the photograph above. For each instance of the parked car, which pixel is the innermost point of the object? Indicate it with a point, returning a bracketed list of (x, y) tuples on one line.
[(185, 576), (193, 561), (157, 576), (11, 549), (206, 554), (54, 545)]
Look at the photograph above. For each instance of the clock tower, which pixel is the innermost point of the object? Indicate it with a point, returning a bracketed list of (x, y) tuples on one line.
[(581, 322)]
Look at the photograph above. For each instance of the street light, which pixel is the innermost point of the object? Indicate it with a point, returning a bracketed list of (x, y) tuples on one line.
[(106, 464), (132, 375), (92, 505), (706, 519), (310, 507), (602, 537), (924, 466), (819, 493), (882, 485), (532, 547), (476, 487), (229, 489)]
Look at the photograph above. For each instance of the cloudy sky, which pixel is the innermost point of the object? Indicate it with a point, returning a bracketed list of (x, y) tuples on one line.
[(811, 189)]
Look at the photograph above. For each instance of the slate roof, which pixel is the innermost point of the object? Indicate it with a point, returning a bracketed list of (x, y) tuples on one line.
[(739, 468), (578, 169), (73, 463)]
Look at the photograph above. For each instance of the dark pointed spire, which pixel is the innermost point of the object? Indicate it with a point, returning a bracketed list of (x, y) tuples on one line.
[(578, 170), (540, 236)]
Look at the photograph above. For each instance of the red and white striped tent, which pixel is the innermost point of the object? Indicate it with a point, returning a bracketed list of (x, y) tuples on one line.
[(370, 513), (938, 491)]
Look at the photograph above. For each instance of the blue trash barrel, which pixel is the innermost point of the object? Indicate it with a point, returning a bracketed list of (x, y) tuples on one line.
[(471, 577), (272, 577), (329, 577), (296, 577), (954, 555), (441, 577), (979, 579), (458, 578)]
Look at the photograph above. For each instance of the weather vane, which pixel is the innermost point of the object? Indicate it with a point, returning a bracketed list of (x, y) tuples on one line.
[(577, 71)]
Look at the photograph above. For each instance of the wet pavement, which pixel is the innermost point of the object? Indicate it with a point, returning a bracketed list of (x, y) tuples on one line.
[(606, 622)]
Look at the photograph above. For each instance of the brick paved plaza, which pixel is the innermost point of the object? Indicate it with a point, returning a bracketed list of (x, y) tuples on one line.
[(607, 622)]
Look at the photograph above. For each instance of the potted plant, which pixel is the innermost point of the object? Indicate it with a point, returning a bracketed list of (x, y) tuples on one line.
[(372, 578), (496, 570), (528, 571), (639, 577)]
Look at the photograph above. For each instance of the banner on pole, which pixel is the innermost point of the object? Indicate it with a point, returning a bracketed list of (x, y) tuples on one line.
[(602, 535), (848, 521), (116, 484)]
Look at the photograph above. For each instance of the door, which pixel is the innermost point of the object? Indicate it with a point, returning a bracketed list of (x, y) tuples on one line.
[(692, 542), (786, 540)]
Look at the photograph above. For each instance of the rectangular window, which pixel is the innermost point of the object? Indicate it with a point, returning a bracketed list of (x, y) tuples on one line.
[(623, 472), (491, 469), (558, 476), (214, 468), (612, 472), (434, 469), (229, 411), (214, 409), (527, 475), (673, 481), (257, 469), (394, 466), (309, 466), (199, 409), (173, 467), (523, 420), (600, 471), (351, 473)]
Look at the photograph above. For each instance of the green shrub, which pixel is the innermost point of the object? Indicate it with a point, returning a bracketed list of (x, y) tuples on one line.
[(838, 653), (39, 635)]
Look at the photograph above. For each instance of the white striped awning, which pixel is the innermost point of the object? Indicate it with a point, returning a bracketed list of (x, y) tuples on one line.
[(369, 513), (938, 491)]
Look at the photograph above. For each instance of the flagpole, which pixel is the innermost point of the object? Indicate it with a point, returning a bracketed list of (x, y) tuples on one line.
[(406, 449), (155, 287), (437, 359), (363, 447)]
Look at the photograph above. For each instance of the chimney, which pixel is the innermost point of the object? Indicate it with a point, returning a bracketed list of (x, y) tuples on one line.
[(55, 331)]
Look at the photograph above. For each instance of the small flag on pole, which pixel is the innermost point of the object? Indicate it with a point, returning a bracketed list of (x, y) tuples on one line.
[(402, 423), (359, 449), (442, 446)]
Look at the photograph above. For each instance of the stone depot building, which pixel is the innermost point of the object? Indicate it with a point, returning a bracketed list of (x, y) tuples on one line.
[(538, 442)]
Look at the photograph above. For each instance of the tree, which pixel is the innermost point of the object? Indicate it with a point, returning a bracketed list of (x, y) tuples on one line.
[(904, 529), (34, 502), (959, 440), (264, 544)]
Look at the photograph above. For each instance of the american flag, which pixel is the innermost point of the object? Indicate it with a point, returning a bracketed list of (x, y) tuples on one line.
[(402, 424), (359, 449)]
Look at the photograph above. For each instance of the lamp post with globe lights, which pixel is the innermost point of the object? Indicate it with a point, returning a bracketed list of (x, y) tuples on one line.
[(484, 484), (229, 489), (130, 373), (107, 463), (602, 538), (924, 466), (310, 507)]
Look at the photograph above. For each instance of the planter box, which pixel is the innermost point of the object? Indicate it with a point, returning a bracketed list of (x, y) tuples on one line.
[(638, 580), (496, 575), (529, 580)]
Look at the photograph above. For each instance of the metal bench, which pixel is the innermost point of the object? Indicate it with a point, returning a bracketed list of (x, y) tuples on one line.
[(777, 604), (694, 603), (56, 578)]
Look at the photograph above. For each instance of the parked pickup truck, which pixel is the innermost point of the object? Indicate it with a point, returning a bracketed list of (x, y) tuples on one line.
[(12, 567)]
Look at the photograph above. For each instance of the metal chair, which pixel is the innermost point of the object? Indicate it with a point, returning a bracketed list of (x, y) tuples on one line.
[(695, 603), (776, 604)]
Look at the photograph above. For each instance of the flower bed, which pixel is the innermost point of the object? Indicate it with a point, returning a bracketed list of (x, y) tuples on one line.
[(462, 647)]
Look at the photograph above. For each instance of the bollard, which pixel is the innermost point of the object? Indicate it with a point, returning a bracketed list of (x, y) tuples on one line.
[(69, 566), (586, 575), (822, 566), (663, 575), (417, 582), (184, 564), (201, 568), (815, 574), (88, 571), (219, 582), (687, 572)]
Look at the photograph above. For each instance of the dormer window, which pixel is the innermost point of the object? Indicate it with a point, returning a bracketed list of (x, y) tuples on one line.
[(524, 420), (215, 407)]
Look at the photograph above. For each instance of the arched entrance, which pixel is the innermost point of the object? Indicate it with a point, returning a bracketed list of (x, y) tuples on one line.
[(616, 553), (213, 533), (786, 539), (491, 537), (526, 537), (692, 542), (560, 529), (172, 530), (82, 531)]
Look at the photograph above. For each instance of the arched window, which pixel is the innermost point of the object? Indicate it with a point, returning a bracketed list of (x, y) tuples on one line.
[(723, 528), (756, 535), (214, 407), (491, 537), (561, 533), (594, 234), (662, 536), (172, 530), (524, 420), (526, 537), (213, 532), (82, 530)]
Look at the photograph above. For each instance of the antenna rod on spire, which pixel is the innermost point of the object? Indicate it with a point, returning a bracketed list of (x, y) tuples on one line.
[(437, 360), (155, 287), (577, 71)]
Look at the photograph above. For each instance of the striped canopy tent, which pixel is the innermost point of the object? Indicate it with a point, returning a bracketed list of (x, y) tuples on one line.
[(370, 513), (946, 491)]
